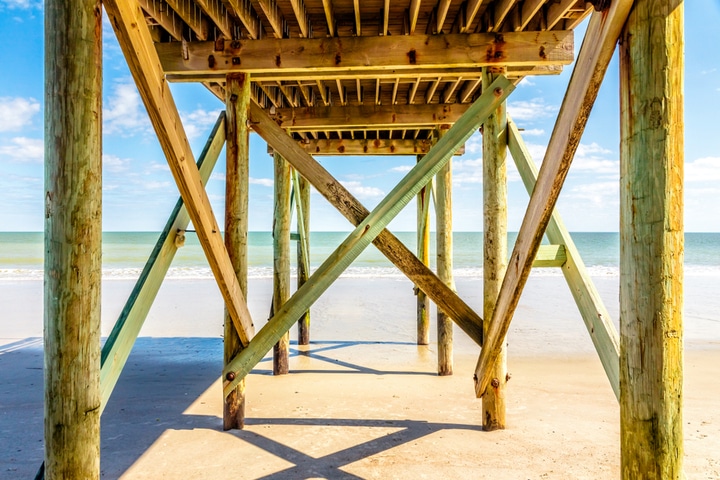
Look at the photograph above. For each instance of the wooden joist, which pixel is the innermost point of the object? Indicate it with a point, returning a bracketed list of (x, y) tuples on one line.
[(119, 343), (361, 116), (550, 256), (366, 231), (592, 309), (595, 54), (135, 41), (355, 212), (295, 55), (369, 147)]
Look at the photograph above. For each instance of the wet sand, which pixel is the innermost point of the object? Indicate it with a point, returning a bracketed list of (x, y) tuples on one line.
[(363, 400)]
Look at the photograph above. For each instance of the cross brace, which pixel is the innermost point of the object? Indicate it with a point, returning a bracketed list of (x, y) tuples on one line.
[(366, 231)]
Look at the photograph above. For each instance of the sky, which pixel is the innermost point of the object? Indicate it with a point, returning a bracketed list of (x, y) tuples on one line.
[(139, 192)]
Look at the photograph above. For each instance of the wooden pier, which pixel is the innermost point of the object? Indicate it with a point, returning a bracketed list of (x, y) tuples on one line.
[(378, 77)]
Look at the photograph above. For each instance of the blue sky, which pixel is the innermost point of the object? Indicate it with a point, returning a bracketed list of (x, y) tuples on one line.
[(139, 192)]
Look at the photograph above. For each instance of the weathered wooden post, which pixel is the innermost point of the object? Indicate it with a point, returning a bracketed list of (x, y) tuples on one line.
[(494, 248), (443, 213), (281, 256), (73, 237), (303, 250), (237, 178), (423, 253), (651, 240)]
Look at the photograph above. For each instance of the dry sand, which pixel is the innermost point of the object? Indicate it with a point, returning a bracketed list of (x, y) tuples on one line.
[(363, 401)]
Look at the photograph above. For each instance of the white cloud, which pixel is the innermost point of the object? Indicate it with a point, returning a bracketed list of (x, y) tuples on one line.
[(526, 82), (113, 163), (533, 132), (198, 121), (600, 194), (17, 112), (20, 4), (530, 110), (24, 149), (467, 171), (361, 191), (265, 182), (124, 113), (402, 168), (705, 169)]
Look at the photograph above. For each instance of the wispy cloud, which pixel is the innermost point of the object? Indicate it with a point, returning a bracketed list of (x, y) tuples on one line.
[(362, 191), (533, 132), (124, 113), (706, 169), (198, 121), (467, 171), (17, 112), (20, 4), (115, 164), (600, 194), (24, 149), (534, 109), (402, 168), (265, 182)]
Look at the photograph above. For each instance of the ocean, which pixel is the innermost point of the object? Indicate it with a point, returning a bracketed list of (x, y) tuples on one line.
[(125, 254)]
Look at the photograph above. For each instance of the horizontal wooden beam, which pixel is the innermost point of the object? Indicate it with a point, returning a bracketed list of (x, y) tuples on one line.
[(550, 256), (366, 231), (135, 41), (451, 73), (368, 53), (369, 147), (368, 116)]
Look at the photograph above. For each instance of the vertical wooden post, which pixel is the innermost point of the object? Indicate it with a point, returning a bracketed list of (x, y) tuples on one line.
[(494, 248), (73, 237), (423, 253), (303, 250), (281, 256), (651, 240), (443, 213), (237, 177)]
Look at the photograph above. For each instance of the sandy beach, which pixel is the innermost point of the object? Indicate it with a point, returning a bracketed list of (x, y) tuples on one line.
[(363, 400)]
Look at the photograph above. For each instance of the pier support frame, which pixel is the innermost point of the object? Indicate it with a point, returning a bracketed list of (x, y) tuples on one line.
[(237, 183), (73, 237), (302, 194), (495, 246), (651, 241)]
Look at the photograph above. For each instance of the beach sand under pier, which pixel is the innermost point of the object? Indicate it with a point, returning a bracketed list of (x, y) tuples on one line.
[(363, 400)]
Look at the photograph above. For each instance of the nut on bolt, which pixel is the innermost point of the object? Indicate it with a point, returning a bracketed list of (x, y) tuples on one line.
[(230, 376), (495, 383), (498, 92)]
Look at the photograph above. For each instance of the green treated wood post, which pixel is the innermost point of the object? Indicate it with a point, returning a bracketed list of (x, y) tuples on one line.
[(237, 183), (73, 237), (302, 189), (423, 253), (281, 257), (444, 235), (651, 241), (494, 250)]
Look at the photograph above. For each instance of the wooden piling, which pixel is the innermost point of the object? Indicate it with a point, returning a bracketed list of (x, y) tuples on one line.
[(237, 178), (494, 249), (281, 257), (443, 213), (423, 253), (651, 241), (73, 237), (303, 250)]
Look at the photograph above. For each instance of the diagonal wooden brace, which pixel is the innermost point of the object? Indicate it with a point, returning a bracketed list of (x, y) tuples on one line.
[(133, 35), (366, 231), (598, 45), (406, 261)]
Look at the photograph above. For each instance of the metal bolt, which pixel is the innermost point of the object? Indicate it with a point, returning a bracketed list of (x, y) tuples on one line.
[(495, 383), (230, 376), (498, 92)]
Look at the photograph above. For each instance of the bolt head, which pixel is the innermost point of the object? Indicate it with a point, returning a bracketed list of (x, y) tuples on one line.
[(230, 376)]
